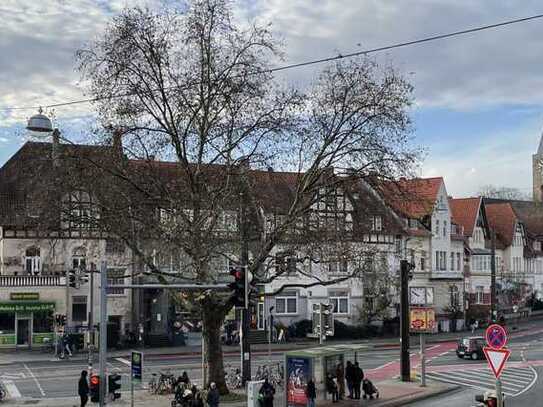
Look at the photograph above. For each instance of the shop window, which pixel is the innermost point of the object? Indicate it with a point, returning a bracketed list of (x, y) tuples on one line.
[(32, 261), (79, 308), (7, 323), (43, 322)]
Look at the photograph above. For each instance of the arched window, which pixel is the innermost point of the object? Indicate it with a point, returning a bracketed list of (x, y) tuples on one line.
[(79, 258), (32, 260)]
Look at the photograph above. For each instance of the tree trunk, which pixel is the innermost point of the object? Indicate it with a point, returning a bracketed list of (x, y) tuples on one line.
[(212, 322)]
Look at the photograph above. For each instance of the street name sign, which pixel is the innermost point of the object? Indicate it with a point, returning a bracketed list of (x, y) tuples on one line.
[(496, 337), (496, 359)]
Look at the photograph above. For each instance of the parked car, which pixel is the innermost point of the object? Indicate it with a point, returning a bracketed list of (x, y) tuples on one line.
[(471, 347)]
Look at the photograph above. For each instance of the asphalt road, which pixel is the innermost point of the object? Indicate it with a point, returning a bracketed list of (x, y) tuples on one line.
[(58, 378)]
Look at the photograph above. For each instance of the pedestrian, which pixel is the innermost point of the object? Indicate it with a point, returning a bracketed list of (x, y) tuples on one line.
[(197, 400), (331, 387), (311, 393), (340, 377), (66, 344), (349, 376), (267, 391), (358, 377), (83, 388), (213, 396)]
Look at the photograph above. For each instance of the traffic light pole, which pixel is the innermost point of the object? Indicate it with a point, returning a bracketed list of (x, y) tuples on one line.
[(245, 315), (405, 368), (493, 302), (103, 332)]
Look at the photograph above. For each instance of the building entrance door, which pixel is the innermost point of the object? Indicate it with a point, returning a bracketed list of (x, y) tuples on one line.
[(23, 332)]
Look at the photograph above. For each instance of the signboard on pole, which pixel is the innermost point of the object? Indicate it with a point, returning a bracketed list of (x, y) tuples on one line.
[(137, 365), (496, 337), (496, 359), (422, 319)]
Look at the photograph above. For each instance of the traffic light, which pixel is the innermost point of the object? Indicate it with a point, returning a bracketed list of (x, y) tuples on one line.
[(238, 287), (83, 277), (60, 319), (73, 279), (114, 386), (94, 388), (327, 319)]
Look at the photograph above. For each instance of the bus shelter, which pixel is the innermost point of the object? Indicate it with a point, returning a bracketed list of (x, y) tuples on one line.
[(301, 365)]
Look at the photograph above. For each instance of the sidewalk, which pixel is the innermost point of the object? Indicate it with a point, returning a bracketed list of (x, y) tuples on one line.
[(8, 356), (393, 393)]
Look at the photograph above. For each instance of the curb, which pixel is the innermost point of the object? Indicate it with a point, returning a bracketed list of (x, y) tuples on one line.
[(403, 400)]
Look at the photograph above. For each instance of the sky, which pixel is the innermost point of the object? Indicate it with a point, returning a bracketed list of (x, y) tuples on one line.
[(478, 98)]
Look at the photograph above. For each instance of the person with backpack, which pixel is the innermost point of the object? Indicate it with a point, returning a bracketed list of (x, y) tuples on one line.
[(267, 391), (83, 388)]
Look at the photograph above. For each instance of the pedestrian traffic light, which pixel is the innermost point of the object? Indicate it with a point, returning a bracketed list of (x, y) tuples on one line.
[(238, 287), (114, 386), (94, 388), (73, 280)]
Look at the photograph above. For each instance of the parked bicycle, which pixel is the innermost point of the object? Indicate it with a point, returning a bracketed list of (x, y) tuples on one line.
[(233, 378), (163, 383)]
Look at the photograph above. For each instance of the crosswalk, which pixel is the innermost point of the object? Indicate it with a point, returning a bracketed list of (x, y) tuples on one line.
[(515, 380)]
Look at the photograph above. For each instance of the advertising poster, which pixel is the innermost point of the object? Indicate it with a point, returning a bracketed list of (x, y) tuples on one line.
[(298, 374)]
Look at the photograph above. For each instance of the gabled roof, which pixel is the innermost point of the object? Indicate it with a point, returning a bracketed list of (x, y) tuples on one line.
[(465, 212), (413, 198), (502, 219)]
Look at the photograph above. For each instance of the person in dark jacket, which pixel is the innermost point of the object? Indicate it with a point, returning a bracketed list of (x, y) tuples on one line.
[(267, 391), (83, 388), (213, 396), (357, 382), (311, 393), (331, 388), (349, 377)]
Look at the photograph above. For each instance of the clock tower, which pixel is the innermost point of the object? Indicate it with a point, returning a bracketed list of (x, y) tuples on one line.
[(537, 173)]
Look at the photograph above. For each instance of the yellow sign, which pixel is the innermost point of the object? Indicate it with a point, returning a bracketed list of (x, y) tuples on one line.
[(422, 319), (24, 296)]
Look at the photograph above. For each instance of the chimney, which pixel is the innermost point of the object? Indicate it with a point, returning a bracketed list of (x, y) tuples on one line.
[(55, 150)]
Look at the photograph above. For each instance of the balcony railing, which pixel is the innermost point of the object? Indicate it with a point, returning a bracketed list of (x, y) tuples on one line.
[(32, 281)]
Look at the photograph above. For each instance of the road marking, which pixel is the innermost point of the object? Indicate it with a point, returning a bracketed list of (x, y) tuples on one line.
[(123, 360), (35, 380), (13, 376), (12, 390), (515, 381)]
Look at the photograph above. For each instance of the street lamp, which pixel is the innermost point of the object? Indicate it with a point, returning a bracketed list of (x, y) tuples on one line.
[(39, 123)]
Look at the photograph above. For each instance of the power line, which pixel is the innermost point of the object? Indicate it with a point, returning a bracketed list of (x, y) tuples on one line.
[(316, 61)]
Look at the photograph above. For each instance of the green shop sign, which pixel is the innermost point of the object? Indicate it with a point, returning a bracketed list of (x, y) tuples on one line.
[(24, 296), (26, 306)]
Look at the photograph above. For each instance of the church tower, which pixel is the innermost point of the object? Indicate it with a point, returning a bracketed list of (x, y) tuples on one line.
[(537, 171)]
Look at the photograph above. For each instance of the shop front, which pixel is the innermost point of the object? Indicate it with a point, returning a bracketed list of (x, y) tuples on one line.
[(25, 322)]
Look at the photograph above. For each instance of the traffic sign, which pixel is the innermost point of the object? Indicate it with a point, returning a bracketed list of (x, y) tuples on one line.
[(496, 337), (496, 359)]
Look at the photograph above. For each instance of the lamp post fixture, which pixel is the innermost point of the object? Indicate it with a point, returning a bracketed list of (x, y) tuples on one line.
[(39, 123)]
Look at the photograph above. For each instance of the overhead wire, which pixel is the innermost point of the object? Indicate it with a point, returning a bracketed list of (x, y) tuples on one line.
[(310, 62)]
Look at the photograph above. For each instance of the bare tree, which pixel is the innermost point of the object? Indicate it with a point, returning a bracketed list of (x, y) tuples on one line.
[(508, 193), (192, 88)]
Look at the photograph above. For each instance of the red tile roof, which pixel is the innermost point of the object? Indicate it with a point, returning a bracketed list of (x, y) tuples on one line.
[(413, 198), (502, 219), (464, 212)]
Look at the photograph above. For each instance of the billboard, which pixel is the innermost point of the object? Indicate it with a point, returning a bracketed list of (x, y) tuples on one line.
[(298, 374), (422, 319)]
